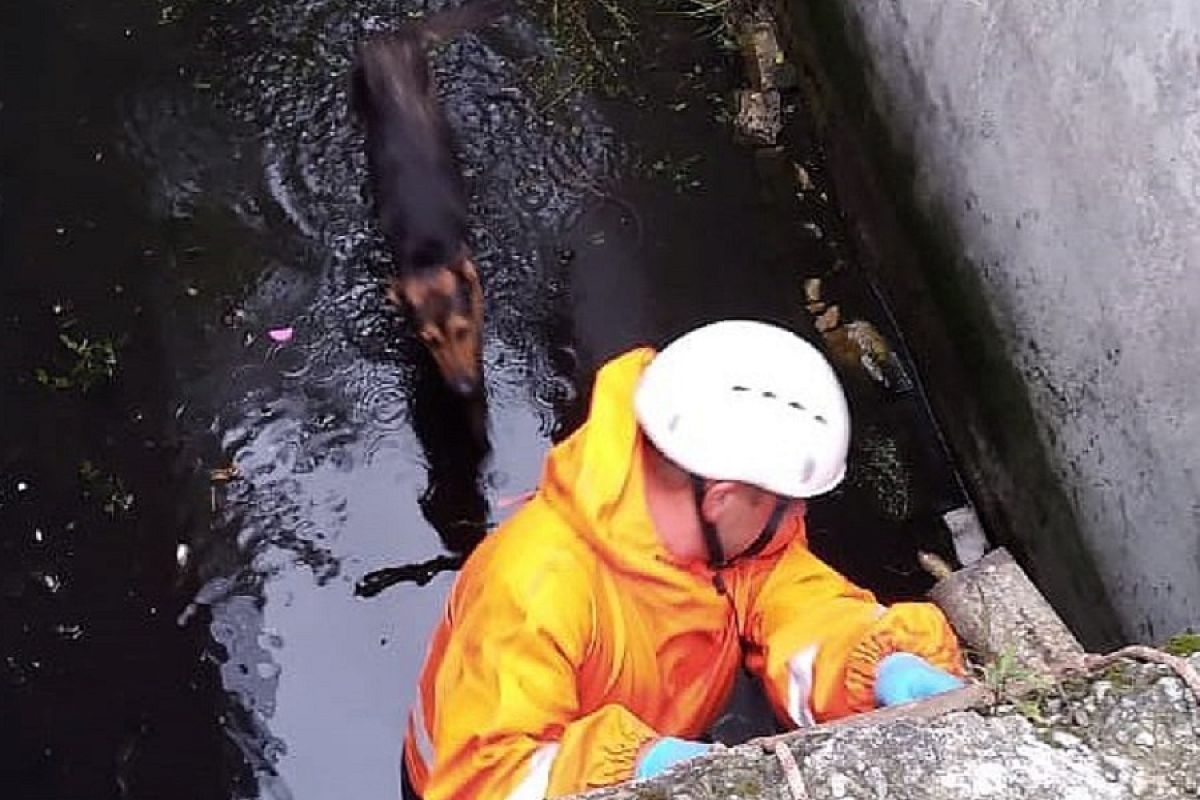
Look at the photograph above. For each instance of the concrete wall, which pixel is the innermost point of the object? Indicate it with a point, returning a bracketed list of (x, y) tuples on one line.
[(1057, 145)]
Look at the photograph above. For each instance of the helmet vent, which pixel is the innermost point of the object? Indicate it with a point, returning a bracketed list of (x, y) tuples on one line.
[(674, 423), (807, 472), (767, 393)]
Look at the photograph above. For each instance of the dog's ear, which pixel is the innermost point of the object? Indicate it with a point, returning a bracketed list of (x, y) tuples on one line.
[(464, 267), (470, 276), (393, 292)]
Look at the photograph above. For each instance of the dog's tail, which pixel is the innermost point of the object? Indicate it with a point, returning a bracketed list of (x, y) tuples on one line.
[(449, 22), (400, 51)]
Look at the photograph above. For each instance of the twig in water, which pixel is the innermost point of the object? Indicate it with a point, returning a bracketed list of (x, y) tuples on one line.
[(421, 573)]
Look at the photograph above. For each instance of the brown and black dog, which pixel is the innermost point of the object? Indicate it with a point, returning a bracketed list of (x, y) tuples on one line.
[(418, 190)]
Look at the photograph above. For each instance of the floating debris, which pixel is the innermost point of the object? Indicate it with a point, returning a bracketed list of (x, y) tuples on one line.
[(182, 554), (759, 116), (52, 582), (224, 474), (681, 172), (828, 320), (108, 489), (812, 290), (508, 501), (935, 565), (95, 363), (761, 53), (856, 347), (803, 180), (859, 346), (71, 632)]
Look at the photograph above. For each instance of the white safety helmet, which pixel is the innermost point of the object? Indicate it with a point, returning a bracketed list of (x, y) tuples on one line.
[(749, 402)]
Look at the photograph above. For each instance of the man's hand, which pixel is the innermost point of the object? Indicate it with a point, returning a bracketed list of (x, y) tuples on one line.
[(904, 677), (666, 752)]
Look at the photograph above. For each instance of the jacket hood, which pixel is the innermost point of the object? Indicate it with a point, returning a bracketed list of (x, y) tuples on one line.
[(593, 478)]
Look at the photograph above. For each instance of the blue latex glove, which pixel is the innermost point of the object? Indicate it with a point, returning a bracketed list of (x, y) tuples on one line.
[(666, 752), (903, 677)]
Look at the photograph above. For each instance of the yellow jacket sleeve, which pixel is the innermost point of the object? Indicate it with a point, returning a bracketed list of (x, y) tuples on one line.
[(508, 721), (805, 620), (917, 628), (821, 637)]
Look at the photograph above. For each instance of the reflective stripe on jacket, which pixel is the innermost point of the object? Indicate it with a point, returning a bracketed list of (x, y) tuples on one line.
[(572, 637)]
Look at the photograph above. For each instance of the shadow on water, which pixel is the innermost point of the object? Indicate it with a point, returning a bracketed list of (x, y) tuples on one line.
[(452, 432), (195, 548)]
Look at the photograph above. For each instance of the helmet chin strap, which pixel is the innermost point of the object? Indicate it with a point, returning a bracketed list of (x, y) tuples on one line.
[(712, 542)]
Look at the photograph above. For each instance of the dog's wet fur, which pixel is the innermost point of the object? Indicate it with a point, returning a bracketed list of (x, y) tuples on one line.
[(418, 190)]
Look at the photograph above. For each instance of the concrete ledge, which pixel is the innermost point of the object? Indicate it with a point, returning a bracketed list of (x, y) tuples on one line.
[(1132, 732)]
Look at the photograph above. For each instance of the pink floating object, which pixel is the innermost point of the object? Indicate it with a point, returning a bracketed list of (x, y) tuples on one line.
[(514, 499), (281, 334)]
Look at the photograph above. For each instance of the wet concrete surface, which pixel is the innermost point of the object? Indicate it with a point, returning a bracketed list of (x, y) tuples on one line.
[(182, 540)]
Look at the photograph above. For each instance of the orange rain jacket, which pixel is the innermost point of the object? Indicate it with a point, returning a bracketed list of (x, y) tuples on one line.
[(572, 638)]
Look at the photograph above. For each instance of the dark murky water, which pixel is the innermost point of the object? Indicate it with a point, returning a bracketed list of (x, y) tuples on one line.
[(176, 181)]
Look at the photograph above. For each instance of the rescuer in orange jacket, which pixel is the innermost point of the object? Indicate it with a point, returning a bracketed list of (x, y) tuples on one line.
[(593, 636)]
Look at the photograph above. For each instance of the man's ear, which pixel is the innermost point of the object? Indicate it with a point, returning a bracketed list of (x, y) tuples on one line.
[(717, 498)]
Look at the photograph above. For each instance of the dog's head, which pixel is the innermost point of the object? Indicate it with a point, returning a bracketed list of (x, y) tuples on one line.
[(445, 308)]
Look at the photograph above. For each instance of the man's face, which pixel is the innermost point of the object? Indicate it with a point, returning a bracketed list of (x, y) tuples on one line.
[(740, 513)]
